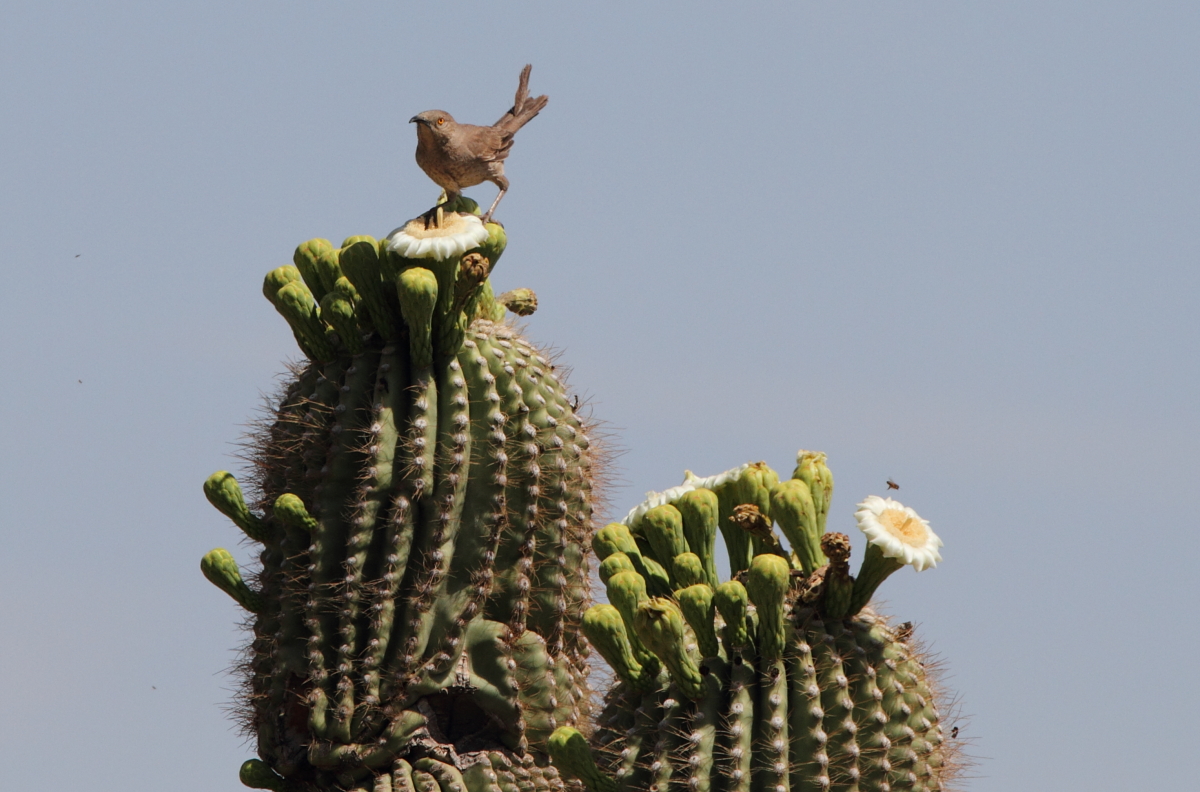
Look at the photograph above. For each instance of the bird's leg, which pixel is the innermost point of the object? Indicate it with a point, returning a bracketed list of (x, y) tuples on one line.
[(487, 218), (434, 217)]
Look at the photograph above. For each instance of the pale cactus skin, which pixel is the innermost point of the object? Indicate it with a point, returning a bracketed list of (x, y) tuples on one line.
[(423, 498), (770, 682)]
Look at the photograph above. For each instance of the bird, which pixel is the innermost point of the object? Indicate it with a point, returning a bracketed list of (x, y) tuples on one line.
[(457, 155)]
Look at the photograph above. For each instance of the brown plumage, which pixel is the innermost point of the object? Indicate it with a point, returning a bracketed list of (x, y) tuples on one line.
[(457, 155)]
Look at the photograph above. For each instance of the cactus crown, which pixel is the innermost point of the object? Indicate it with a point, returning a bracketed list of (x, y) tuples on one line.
[(423, 496), (780, 679)]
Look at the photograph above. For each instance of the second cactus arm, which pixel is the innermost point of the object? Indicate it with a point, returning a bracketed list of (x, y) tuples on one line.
[(792, 698)]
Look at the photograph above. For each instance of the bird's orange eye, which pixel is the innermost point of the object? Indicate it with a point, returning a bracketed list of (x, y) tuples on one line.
[(441, 121)]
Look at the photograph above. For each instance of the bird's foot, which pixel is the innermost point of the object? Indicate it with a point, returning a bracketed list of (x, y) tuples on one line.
[(434, 217)]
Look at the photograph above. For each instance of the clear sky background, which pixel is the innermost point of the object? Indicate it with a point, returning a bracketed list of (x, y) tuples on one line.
[(954, 244)]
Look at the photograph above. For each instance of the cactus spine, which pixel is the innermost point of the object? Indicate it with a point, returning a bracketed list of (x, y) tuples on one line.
[(423, 498)]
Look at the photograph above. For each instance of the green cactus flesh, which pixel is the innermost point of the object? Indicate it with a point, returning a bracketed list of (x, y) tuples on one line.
[(423, 499), (764, 689)]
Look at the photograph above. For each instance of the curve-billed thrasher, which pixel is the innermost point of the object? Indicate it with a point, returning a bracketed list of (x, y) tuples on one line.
[(458, 155)]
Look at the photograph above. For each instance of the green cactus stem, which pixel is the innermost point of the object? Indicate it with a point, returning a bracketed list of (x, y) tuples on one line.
[(423, 502)]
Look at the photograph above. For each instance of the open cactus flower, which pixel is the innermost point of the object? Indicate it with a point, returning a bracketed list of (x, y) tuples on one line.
[(455, 234), (898, 532)]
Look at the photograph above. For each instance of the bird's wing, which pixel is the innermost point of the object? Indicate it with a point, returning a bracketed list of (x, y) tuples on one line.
[(487, 144)]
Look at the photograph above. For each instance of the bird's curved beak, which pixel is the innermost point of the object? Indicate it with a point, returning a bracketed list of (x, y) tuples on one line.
[(413, 120)]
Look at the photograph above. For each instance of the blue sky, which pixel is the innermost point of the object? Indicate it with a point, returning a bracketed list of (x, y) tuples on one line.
[(951, 244)]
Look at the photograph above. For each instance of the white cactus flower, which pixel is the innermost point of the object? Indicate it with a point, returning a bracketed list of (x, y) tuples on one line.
[(690, 482), (898, 532), (456, 234)]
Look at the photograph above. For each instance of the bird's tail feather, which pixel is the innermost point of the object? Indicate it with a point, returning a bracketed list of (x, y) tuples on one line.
[(524, 108)]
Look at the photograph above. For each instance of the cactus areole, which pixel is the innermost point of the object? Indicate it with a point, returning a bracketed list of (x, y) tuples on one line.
[(423, 498), (423, 495)]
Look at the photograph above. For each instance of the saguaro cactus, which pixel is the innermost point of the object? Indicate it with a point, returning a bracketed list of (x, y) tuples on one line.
[(423, 497), (805, 689)]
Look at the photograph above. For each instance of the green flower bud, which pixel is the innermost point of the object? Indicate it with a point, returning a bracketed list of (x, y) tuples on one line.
[(793, 508), (814, 472), (696, 602), (617, 562), (663, 528), (222, 571), (660, 625), (290, 511), (417, 289), (731, 600), (572, 755), (688, 570), (627, 591), (700, 509), (306, 259), (605, 629), (614, 538), (767, 585), (223, 492), (257, 774)]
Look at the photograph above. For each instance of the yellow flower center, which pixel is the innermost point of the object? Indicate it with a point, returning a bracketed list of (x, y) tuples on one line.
[(903, 526), (450, 223)]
